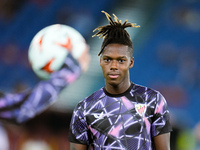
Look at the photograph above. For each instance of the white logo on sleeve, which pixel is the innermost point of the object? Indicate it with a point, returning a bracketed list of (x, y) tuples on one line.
[(98, 115)]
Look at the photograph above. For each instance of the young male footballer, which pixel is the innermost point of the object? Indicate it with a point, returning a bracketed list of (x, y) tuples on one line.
[(121, 115)]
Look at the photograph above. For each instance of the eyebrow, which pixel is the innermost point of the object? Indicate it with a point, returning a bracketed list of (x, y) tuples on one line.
[(117, 57)]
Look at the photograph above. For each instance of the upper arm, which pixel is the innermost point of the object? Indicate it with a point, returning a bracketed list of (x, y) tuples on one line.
[(74, 146), (162, 142)]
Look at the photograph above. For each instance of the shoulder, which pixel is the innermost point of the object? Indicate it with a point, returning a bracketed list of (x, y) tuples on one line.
[(146, 93), (92, 98), (139, 89)]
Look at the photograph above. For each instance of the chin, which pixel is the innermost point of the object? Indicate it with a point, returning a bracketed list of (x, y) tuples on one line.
[(113, 83)]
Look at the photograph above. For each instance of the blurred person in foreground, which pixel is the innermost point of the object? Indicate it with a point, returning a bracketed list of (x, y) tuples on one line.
[(121, 115), (20, 107)]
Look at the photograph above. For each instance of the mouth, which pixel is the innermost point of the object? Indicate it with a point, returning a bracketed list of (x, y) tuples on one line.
[(113, 76)]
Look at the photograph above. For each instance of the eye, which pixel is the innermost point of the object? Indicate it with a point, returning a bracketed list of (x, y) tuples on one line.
[(121, 60), (106, 59)]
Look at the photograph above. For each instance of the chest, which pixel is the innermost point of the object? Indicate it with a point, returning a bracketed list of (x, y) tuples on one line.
[(119, 116)]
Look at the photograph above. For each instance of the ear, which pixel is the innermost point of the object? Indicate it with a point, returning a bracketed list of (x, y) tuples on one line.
[(131, 62)]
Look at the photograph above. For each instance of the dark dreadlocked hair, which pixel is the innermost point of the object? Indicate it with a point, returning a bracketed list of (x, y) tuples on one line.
[(115, 32)]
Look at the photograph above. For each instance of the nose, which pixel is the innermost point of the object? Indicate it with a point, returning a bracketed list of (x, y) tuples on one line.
[(114, 65)]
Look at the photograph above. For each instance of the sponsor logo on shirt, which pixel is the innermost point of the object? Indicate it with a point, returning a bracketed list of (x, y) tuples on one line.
[(99, 115)]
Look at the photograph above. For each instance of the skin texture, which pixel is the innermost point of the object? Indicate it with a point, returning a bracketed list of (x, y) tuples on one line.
[(74, 146), (162, 142), (115, 62)]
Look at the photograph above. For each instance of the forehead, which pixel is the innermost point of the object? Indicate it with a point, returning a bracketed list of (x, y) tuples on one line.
[(116, 49)]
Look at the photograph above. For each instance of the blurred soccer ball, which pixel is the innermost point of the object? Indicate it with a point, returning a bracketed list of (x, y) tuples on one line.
[(50, 46)]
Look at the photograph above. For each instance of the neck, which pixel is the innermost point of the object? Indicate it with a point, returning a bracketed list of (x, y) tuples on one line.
[(117, 89)]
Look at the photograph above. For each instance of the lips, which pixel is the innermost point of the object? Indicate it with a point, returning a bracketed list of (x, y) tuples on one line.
[(113, 76)]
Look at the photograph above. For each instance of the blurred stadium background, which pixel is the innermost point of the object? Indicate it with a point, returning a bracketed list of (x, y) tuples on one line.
[(166, 51)]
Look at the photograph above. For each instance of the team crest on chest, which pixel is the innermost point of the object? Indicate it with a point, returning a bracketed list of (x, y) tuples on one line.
[(141, 109)]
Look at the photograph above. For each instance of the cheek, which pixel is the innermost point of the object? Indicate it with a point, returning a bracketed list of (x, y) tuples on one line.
[(124, 69), (104, 69)]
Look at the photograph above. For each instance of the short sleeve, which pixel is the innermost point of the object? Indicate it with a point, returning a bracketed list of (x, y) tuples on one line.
[(78, 132), (161, 118)]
